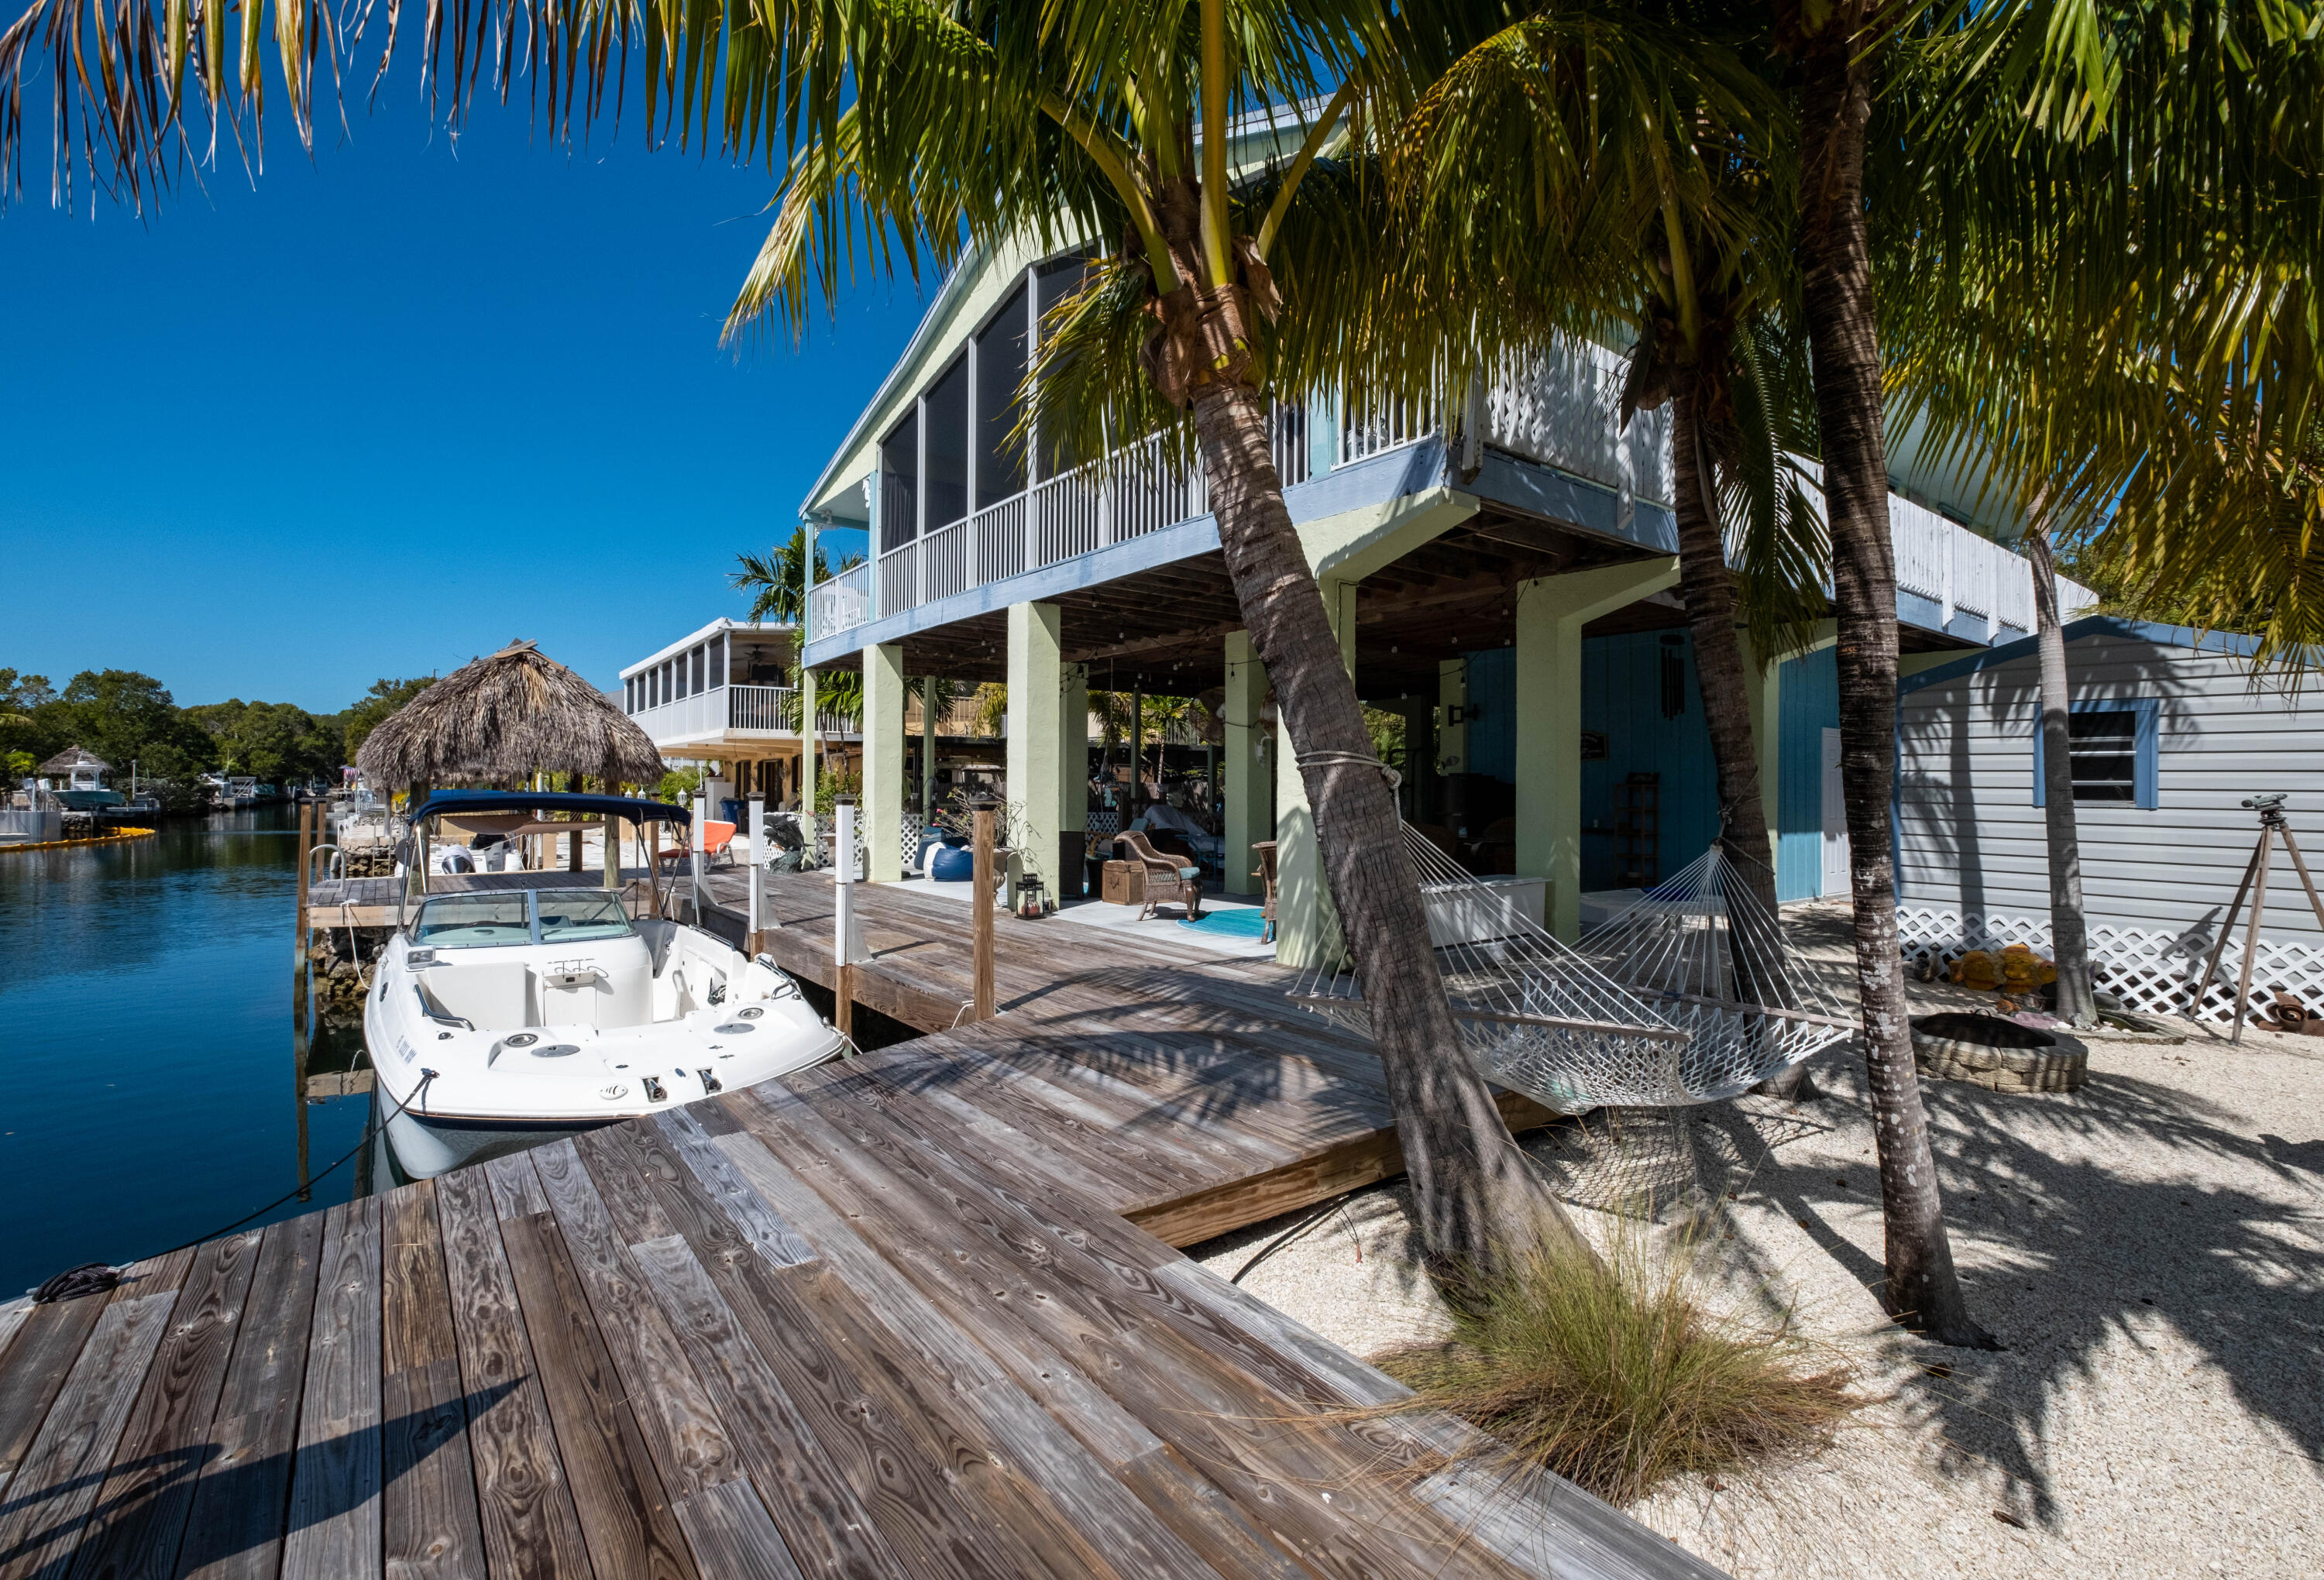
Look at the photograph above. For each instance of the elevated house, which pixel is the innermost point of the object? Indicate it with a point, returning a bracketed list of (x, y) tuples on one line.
[(1509, 591), (722, 694)]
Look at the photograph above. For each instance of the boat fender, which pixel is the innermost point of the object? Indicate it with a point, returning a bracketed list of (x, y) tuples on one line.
[(710, 1083), (654, 1094)]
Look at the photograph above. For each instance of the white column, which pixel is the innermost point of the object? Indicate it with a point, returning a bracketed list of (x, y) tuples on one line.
[(756, 873), (694, 854)]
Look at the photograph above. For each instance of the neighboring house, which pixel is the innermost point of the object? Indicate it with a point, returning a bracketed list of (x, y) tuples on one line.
[(721, 695), (1509, 592), (2170, 733)]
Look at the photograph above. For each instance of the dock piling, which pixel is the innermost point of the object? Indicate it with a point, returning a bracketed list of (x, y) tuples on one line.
[(980, 910)]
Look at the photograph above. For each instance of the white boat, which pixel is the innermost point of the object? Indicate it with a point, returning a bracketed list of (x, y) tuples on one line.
[(500, 1018)]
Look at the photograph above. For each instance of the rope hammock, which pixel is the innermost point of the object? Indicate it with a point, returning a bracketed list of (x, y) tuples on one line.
[(1690, 995)]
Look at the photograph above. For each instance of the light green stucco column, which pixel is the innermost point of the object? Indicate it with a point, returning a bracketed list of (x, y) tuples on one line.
[(1036, 690), (1550, 615), (1250, 801), (1302, 903), (1072, 778), (883, 761)]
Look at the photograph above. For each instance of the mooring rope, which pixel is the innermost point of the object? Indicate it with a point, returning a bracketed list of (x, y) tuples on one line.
[(96, 1277)]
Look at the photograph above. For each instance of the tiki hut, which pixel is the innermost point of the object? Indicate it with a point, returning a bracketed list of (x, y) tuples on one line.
[(501, 719)]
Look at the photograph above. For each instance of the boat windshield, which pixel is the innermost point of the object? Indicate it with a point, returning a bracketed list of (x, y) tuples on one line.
[(471, 920), (571, 915)]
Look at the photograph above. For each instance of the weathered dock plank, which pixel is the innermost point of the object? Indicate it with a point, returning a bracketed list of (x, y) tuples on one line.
[(913, 1314)]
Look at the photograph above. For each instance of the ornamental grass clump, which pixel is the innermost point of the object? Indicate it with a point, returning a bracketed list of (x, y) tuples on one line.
[(1609, 1373)]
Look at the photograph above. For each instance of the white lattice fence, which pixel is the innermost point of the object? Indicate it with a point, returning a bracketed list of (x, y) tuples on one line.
[(2146, 970)]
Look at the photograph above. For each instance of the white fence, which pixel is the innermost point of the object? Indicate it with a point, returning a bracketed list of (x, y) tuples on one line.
[(2146, 969)]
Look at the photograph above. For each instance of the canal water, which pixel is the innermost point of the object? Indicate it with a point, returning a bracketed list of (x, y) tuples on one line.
[(148, 1092)]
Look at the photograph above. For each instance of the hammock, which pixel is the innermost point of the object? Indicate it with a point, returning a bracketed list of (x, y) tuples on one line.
[(1690, 996)]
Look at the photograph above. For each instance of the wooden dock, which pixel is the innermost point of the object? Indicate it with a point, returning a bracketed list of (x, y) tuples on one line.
[(917, 1314), (1132, 1038)]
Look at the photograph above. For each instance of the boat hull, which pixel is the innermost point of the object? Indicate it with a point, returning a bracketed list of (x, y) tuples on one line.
[(89, 800), (426, 1147), (482, 1049)]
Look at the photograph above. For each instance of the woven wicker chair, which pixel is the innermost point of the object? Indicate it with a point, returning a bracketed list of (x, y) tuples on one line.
[(1170, 880), (1265, 851)]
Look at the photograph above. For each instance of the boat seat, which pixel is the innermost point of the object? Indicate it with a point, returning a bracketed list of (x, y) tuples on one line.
[(625, 995), (489, 994)]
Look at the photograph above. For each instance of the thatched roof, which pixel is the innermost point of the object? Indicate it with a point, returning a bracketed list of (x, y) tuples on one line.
[(71, 757), (501, 719)]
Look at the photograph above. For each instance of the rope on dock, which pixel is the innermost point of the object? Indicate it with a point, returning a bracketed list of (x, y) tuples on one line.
[(77, 1281)]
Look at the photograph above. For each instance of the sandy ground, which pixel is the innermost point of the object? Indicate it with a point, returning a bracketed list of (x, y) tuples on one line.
[(2150, 1250)]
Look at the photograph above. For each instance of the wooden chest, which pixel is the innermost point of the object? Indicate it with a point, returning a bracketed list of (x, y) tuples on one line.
[(1125, 882)]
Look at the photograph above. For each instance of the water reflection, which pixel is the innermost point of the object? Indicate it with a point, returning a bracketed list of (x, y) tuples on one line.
[(147, 1075)]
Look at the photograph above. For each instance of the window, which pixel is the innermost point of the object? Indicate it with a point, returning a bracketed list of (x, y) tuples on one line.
[(718, 663), (899, 483), (999, 370), (576, 915), (945, 410), (467, 920), (697, 656), (2114, 753)]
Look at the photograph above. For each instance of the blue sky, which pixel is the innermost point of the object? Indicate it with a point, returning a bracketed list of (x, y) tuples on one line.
[(388, 409)]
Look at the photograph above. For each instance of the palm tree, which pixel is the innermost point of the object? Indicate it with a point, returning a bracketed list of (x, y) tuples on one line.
[(2156, 402), (778, 580), (1646, 142), (915, 135), (1111, 119), (1831, 50)]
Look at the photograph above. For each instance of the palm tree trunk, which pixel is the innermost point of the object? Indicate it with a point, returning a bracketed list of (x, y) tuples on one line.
[(1922, 1291), (1708, 588), (1480, 1203), (2070, 936)]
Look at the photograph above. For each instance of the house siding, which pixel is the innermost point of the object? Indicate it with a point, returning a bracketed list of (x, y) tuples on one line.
[(1971, 841)]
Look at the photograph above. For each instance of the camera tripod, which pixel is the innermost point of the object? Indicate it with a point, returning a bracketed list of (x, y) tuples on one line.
[(2273, 825)]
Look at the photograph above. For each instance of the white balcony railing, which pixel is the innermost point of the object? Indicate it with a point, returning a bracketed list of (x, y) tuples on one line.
[(1136, 490), (1963, 573), (1560, 407), (719, 710)]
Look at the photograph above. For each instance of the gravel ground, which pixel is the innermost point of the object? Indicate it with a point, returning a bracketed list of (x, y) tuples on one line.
[(2150, 1250)]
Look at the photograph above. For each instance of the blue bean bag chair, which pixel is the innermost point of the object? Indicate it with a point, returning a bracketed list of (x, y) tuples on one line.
[(952, 864)]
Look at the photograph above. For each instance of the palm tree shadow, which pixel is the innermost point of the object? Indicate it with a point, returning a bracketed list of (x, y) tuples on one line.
[(243, 1505), (2081, 1220)]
